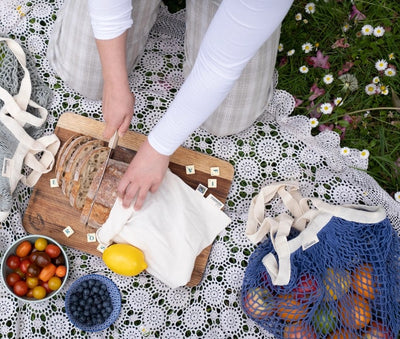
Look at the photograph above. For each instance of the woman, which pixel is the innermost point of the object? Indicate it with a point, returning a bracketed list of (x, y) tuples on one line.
[(230, 48)]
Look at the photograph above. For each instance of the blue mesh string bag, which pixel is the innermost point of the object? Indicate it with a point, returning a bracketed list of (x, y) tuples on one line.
[(320, 270)]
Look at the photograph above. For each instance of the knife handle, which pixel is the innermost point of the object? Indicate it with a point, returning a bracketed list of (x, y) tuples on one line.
[(112, 143)]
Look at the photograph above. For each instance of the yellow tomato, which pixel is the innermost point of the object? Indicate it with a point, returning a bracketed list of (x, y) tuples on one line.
[(124, 259), (40, 244)]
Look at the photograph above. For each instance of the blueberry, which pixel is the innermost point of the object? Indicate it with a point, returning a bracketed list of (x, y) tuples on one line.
[(95, 289), (82, 319), (90, 300), (85, 284), (93, 310), (86, 292), (75, 314), (103, 287), (106, 303), (109, 309), (91, 282), (82, 302), (73, 307)]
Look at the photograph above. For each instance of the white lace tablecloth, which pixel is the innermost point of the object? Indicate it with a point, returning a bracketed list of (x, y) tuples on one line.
[(277, 147)]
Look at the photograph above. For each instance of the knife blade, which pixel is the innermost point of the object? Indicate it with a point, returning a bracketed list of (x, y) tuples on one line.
[(112, 144)]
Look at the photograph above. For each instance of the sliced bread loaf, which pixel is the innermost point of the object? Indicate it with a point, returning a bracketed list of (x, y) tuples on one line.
[(106, 195), (84, 174), (66, 155), (75, 160)]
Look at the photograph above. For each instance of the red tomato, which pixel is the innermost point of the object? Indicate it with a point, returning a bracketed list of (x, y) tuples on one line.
[(24, 265), (23, 249), (12, 278), (13, 262), (52, 250), (20, 288)]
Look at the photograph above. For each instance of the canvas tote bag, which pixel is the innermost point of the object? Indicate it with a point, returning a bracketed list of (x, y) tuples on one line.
[(22, 157)]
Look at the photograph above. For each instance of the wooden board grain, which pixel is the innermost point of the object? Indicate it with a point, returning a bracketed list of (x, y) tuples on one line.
[(49, 211)]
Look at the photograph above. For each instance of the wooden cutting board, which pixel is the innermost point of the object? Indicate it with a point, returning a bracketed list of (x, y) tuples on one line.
[(49, 212)]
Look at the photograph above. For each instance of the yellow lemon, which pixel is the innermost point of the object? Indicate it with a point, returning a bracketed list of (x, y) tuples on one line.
[(124, 259)]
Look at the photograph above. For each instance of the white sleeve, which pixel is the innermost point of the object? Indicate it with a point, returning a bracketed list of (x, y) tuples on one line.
[(237, 31), (110, 18)]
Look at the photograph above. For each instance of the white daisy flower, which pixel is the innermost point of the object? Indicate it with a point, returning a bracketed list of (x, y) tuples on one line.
[(328, 79), (305, 21), (384, 90), (291, 52), (391, 56), (310, 8), (326, 108), (338, 101), (298, 17), (314, 122), (280, 47), (303, 69), (345, 27), (345, 151), (376, 80), (390, 72), (364, 154), (307, 47), (397, 196), (379, 31), (367, 30), (370, 89), (381, 65)]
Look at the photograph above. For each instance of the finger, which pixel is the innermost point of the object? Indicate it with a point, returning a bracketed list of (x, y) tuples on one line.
[(130, 194), (140, 198), (124, 126), (109, 131), (154, 187), (122, 186)]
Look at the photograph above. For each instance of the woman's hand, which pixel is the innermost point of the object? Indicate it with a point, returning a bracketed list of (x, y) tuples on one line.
[(145, 173), (118, 109)]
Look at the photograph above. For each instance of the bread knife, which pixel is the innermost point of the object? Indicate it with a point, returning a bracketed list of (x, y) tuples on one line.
[(112, 144)]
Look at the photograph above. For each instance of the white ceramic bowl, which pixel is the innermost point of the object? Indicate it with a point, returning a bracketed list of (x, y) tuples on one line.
[(5, 270)]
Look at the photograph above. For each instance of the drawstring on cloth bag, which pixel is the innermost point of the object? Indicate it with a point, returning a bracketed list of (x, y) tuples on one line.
[(21, 121)]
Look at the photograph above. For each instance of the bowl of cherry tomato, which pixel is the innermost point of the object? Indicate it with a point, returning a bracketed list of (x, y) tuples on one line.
[(34, 268)]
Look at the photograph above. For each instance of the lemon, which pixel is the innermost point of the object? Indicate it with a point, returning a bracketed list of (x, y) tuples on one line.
[(124, 259)]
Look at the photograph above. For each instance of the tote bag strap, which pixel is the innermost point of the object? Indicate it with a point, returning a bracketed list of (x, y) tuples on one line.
[(316, 219), (258, 226), (16, 105), (26, 151)]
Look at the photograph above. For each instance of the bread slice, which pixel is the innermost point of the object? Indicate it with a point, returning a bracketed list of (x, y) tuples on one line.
[(66, 155), (84, 174), (63, 147), (106, 195), (77, 157)]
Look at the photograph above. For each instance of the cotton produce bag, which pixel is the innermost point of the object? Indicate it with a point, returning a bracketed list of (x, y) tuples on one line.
[(173, 226)]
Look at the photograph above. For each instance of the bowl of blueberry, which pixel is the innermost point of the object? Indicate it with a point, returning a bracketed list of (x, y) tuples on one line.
[(93, 303)]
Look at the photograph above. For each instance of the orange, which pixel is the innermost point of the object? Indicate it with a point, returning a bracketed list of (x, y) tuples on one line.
[(299, 330), (289, 309), (355, 311), (258, 302), (363, 282), (343, 333)]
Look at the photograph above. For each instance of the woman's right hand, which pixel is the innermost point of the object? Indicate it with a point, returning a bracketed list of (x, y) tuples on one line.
[(118, 109)]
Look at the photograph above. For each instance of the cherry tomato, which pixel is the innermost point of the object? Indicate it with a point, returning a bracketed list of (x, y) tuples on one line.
[(53, 250), (45, 284), (42, 259), (20, 288), (40, 244), (61, 271), (12, 278), (39, 292), (33, 270), (33, 255), (24, 265), (29, 294), (20, 273), (13, 262), (32, 281), (23, 249), (54, 283)]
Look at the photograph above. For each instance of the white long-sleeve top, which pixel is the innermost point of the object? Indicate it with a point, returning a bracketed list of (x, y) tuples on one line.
[(237, 31)]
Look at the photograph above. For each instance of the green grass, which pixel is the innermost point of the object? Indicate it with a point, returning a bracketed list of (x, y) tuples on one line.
[(364, 122)]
